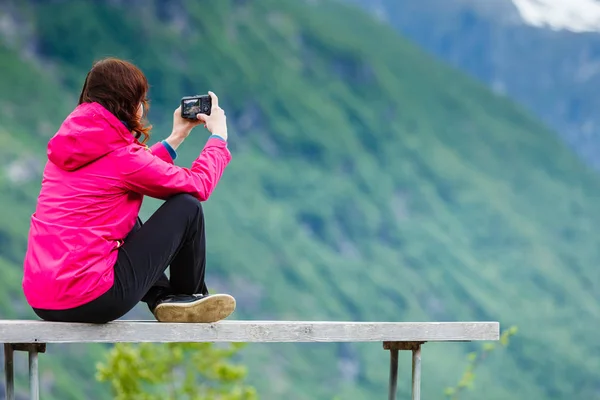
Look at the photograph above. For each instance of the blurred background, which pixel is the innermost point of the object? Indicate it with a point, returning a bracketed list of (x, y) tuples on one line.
[(393, 160)]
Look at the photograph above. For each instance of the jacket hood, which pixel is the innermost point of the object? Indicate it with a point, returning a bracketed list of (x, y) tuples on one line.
[(88, 133)]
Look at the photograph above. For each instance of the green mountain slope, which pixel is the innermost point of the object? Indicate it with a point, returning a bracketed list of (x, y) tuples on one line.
[(368, 182)]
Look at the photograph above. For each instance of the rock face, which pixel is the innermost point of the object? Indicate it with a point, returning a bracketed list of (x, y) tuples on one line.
[(545, 54)]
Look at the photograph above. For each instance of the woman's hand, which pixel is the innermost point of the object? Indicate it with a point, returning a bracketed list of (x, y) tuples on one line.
[(216, 123)]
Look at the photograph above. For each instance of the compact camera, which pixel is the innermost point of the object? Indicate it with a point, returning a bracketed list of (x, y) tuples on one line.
[(193, 105)]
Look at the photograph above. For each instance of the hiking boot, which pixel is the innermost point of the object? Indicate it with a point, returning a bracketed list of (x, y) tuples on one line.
[(194, 308)]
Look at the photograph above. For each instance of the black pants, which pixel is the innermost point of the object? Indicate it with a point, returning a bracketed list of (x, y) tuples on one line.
[(173, 235)]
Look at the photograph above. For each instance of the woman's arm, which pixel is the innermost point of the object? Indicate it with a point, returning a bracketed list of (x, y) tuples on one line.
[(144, 173), (161, 151)]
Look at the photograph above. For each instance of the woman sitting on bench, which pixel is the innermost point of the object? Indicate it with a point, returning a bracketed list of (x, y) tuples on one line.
[(89, 258)]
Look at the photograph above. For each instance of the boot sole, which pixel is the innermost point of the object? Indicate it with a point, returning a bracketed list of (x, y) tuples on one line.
[(206, 310)]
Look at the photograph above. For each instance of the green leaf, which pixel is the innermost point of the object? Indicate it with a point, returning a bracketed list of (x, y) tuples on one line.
[(163, 371)]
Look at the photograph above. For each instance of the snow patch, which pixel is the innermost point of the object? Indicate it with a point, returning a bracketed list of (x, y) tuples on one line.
[(571, 15)]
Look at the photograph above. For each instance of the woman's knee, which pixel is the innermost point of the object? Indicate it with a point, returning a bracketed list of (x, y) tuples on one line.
[(187, 201)]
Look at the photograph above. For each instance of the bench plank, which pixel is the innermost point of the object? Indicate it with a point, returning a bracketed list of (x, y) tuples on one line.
[(32, 331)]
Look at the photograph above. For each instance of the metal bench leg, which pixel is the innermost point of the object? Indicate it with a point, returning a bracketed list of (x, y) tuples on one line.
[(416, 373), (394, 347), (34, 383), (33, 349), (393, 374), (9, 377)]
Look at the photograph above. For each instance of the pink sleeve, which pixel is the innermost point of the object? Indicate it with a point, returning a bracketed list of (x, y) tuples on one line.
[(159, 150), (145, 173)]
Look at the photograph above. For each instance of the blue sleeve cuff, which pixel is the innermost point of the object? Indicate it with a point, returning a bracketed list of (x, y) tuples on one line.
[(217, 137), (171, 150)]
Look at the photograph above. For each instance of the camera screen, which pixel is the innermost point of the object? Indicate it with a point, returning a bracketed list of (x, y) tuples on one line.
[(192, 107)]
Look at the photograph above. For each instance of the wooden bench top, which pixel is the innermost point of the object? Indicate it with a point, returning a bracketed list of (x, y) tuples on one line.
[(33, 331)]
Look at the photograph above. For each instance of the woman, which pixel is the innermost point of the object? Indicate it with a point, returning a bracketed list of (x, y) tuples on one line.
[(89, 258)]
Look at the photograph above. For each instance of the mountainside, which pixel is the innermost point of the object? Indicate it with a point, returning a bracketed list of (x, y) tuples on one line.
[(368, 183), (545, 54)]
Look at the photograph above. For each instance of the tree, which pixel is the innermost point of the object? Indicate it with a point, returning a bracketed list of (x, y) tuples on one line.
[(191, 371), (474, 360)]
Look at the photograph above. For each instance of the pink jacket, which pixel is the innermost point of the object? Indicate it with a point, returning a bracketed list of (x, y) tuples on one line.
[(92, 191)]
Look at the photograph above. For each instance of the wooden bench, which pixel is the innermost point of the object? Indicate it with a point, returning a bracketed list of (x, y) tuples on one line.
[(32, 337)]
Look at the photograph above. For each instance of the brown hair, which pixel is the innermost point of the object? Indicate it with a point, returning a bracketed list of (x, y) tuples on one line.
[(119, 86)]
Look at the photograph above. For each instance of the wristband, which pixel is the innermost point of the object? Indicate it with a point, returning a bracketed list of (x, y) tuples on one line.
[(217, 137), (171, 150)]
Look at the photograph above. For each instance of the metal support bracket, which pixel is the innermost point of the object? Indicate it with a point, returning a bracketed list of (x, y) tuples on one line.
[(394, 347), (34, 383)]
